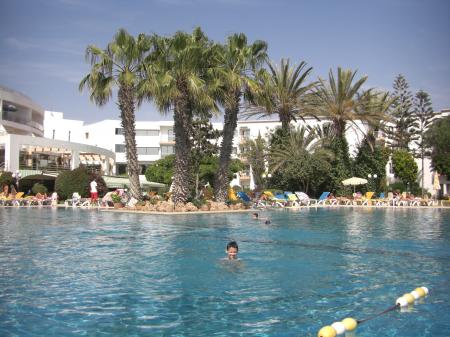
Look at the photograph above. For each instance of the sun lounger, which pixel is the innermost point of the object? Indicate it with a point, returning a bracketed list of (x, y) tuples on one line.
[(367, 198), (274, 200), (304, 199), (323, 198), (232, 195), (243, 196), (292, 198)]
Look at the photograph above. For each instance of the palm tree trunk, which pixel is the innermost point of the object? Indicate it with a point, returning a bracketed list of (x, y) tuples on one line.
[(285, 120), (126, 97), (339, 127), (182, 127), (222, 181)]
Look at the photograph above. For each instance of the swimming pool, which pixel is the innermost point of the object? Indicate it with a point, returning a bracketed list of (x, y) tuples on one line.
[(80, 272)]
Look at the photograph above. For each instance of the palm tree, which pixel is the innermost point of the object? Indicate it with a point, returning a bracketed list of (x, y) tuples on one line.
[(283, 91), (256, 155), (342, 101), (119, 65), (304, 155), (177, 79), (236, 62)]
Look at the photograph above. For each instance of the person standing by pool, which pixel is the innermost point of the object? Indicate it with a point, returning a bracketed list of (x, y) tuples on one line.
[(94, 193)]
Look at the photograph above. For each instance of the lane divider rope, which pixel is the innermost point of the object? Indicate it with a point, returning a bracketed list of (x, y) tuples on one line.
[(350, 324)]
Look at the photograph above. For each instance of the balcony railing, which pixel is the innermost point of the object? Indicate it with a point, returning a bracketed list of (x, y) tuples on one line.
[(49, 168)]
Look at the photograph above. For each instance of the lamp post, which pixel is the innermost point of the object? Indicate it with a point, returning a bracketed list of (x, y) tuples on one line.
[(17, 176), (374, 177)]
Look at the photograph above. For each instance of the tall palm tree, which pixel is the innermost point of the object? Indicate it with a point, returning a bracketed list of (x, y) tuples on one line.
[(119, 65), (283, 91), (342, 100), (236, 62), (177, 79)]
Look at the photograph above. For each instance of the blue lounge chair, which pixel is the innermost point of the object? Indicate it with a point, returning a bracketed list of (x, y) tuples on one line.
[(243, 196), (323, 198)]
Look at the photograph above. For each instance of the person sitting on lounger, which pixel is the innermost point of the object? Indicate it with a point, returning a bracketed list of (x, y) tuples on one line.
[(5, 191)]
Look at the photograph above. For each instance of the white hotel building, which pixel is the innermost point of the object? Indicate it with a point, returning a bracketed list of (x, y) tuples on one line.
[(25, 150), (41, 143), (155, 139)]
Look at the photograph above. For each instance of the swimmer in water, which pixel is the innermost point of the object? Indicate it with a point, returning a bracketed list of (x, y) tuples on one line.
[(232, 250), (256, 217)]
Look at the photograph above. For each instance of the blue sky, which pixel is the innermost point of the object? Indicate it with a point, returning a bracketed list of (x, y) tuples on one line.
[(42, 42)]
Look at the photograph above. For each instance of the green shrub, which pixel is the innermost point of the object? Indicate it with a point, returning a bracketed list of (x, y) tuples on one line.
[(6, 179), (39, 188), (116, 198), (78, 180)]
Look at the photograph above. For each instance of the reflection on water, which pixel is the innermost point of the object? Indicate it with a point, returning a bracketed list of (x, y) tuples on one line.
[(79, 272)]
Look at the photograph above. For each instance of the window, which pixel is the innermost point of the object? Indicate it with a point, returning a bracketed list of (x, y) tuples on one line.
[(148, 151), (154, 133), (245, 134), (53, 134), (170, 135), (119, 131), (87, 135), (167, 149), (120, 148), (234, 150), (121, 169)]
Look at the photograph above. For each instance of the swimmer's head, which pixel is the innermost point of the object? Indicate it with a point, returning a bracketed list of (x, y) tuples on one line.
[(232, 250), (267, 222), (255, 215)]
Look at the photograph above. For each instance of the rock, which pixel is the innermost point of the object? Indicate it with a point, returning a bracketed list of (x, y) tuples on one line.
[(190, 207)]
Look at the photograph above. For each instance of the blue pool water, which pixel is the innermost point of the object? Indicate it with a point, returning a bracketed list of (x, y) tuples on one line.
[(80, 272)]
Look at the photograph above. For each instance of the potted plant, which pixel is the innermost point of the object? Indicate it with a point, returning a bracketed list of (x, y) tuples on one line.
[(117, 200)]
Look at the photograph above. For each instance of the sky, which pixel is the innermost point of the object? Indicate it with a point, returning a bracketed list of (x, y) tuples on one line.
[(43, 42)]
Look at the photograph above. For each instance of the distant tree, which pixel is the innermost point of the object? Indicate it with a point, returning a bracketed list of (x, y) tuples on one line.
[(256, 153), (204, 140), (283, 90), (161, 171), (423, 115), (437, 137), (6, 179), (300, 161), (342, 100), (405, 168), (39, 188), (237, 62), (403, 132), (78, 180), (119, 65), (178, 79), (372, 159)]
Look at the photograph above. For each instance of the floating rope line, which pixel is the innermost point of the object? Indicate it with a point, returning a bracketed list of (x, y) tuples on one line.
[(359, 321), (350, 324)]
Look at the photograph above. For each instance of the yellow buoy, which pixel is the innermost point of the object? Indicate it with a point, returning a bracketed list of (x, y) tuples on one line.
[(409, 298), (420, 291), (349, 323), (425, 289), (327, 331)]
